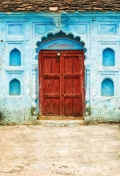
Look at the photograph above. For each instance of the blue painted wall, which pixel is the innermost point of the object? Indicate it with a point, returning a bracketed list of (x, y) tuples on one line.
[(15, 58), (23, 35)]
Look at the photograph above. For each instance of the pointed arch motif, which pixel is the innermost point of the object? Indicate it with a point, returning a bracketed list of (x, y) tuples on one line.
[(14, 87), (57, 40), (107, 87), (15, 58), (108, 57)]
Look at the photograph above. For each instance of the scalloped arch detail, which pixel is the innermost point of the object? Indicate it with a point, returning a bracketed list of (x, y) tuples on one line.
[(55, 41)]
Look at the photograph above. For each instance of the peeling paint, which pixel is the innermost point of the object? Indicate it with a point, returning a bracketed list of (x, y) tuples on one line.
[(42, 31)]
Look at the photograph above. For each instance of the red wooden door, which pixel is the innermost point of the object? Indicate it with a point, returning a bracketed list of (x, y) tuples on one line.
[(61, 79)]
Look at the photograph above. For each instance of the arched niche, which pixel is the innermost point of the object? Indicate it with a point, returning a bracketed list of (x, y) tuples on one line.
[(14, 87), (108, 57), (107, 87), (15, 58)]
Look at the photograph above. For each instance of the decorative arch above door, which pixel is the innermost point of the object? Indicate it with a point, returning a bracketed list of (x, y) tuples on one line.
[(61, 76), (60, 41)]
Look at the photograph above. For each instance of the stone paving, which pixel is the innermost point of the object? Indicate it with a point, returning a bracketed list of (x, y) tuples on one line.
[(60, 151)]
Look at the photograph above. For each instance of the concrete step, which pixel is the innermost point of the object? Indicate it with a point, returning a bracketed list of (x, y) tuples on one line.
[(60, 123)]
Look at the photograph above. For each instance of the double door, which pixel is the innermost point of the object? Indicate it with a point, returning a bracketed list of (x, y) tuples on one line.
[(61, 83)]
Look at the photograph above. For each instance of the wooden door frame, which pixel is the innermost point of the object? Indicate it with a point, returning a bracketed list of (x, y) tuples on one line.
[(40, 80)]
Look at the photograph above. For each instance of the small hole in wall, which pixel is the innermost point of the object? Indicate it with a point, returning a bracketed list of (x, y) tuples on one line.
[(14, 87), (108, 57), (15, 58), (107, 87)]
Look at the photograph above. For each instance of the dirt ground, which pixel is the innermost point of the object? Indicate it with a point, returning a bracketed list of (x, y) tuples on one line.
[(60, 151)]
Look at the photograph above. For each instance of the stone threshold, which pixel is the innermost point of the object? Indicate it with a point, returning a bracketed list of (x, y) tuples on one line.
[(60, 123), (60, 118)]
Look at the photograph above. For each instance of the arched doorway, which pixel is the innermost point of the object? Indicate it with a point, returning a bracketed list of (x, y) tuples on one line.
[(61, 76)]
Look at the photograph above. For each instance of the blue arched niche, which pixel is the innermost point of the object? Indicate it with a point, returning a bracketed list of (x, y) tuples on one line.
[(107, 87), (108, 57), (15, 58), (14, 87)]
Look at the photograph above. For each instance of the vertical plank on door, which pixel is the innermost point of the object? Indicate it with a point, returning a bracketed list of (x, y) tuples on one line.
[(76, 85), (61, 83), (55, 84), (67, 84)]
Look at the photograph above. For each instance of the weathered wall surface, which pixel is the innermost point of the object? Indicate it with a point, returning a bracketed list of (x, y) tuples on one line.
[(21, 34)]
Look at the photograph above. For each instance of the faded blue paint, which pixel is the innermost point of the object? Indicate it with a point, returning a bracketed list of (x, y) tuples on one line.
[(108, 57), (29, 33), (61, 44), (107, 88), (15, 57), (14, 87)]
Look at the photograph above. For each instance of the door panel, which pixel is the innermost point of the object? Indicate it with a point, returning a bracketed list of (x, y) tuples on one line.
[(67, 106), (61, 81)]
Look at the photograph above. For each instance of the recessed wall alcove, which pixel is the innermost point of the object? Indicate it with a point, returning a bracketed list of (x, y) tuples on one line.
[(15, 58), (108, 57), (107, 87), (14, 87)]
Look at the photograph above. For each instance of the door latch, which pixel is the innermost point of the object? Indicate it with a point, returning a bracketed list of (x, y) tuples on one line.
[(58, 54)]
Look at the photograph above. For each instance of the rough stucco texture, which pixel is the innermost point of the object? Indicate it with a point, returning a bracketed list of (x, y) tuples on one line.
[(22, 33), (59, 5)]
